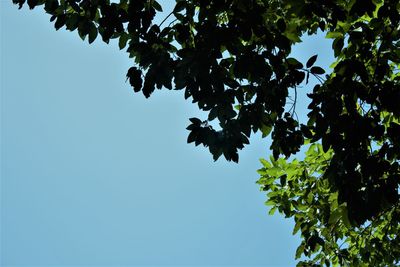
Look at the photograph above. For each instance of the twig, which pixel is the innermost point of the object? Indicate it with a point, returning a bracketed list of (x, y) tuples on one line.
[(172, 12)]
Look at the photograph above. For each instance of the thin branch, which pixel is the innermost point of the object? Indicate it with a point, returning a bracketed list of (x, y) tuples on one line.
[(294, 101), (172, 22), (172, 12)]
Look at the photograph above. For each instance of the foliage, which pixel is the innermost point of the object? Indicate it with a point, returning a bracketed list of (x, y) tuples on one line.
[(301, 192), (232, 58)]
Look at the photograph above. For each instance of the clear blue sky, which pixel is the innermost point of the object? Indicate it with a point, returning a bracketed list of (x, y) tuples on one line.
[(94, 174)]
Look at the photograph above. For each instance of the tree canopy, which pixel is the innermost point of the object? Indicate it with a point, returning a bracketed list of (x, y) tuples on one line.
[(232, 58)]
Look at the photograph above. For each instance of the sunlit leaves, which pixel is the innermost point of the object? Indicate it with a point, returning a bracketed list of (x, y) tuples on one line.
[(320, 218)]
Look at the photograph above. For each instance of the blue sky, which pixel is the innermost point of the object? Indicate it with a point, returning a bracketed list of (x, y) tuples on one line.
[(94, 174)]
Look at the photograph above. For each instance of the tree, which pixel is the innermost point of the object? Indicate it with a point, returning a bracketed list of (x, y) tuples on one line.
[(232, 58)]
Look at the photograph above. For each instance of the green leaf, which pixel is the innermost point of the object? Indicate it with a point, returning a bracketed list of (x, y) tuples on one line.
[(266, 130), (296, 228), (294, 37), (337, 46), (299, 251), (335, 215), (334, 35), (272, 211), (123, 39), (265, 163)]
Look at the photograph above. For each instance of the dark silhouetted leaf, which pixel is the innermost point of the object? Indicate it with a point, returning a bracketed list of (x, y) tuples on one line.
[(311, 61), (92, 33), (317, 70)]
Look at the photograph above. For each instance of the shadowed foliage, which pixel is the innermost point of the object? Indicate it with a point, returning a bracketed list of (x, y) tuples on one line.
[(232, 58)]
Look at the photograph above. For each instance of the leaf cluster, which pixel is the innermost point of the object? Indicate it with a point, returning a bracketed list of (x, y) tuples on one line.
[(299, 190)]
